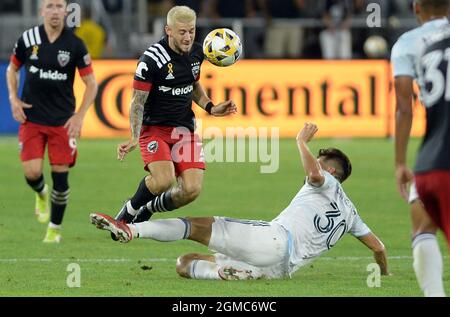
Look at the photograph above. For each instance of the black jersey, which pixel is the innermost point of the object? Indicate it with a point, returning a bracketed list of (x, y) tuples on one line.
[(170, 78), (50, 73), (434, 66)]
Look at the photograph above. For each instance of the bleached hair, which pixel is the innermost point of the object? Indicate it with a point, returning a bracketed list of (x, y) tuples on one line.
[(181, 14), (42, 2)]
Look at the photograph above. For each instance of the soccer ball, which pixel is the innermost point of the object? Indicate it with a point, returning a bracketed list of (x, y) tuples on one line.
[(222, 47), (375, 47)]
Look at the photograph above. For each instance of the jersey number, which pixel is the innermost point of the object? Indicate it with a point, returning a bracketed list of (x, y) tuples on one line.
[(328, 225), (440, 83)]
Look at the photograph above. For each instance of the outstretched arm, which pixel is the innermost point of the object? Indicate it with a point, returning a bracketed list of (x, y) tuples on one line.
[(379, 251), (220, 110), (136, 116), (310, 164)]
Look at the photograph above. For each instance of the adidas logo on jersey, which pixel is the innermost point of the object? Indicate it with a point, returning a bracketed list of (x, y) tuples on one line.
[(55, 75), (170, 76), (177, 91)]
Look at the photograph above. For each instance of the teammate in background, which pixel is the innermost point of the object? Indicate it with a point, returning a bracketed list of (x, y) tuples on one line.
[(163, 123), (50, 53), (318, 216), (434, 158)]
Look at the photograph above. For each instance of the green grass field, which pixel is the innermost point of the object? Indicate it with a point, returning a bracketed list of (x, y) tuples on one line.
[(100, 183)]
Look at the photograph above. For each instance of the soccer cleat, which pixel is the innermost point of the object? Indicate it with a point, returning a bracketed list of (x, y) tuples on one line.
[(42, 209), (230, 274), (123, 214), (142, 215), (118, 228), (53, 235)]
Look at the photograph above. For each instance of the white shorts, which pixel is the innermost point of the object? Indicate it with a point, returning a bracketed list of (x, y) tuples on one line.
[(413, 194), (254, 245)]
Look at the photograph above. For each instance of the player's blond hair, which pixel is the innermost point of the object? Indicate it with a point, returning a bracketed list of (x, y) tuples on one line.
[(182, 14), (42, 2)]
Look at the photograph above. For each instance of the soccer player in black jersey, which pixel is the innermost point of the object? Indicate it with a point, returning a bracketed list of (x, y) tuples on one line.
[(163, 123), (50, 53)]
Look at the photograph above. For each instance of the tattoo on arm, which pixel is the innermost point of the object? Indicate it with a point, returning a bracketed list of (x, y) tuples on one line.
[(137, 112), (199, 95)]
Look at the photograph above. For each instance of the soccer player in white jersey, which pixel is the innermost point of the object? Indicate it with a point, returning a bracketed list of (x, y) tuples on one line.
[(432, 14), (318, 216)]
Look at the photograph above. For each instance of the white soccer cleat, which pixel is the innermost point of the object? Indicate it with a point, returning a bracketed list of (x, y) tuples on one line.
[(118, 228), (231, 274)]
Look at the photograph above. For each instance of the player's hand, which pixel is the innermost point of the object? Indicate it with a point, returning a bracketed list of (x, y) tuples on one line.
[(17, 107), (74, 124), (224, 109), (404, 177), (125, 148), (307, 133)]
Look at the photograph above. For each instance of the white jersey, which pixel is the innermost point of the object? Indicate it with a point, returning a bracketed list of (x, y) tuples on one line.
[(317, 218), (409, 48)]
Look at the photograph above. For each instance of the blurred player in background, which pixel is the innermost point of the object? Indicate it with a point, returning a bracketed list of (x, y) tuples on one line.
[(434, 157), (50, 54), (318, 216), (163, 123)]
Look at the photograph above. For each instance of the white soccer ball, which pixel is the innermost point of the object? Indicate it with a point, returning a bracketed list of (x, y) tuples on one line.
[(375, 47), (222, 47)]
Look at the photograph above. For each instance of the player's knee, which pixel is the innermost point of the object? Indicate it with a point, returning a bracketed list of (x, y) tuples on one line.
[(161, 185), (183, 265), (33, 174), (191, 191)]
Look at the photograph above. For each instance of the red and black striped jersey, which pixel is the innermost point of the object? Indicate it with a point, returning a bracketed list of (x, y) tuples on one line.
[(169, 77), (49, 73)]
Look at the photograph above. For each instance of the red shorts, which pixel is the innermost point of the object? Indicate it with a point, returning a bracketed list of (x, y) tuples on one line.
[(434, 191), (33, 138), (179, 145)]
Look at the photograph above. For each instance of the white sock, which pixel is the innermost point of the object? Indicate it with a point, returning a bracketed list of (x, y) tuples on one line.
[(428, 265), (204, 270), (53, 226), (164, 229)]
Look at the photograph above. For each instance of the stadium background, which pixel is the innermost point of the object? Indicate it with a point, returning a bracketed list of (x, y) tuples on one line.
[(351, 100)]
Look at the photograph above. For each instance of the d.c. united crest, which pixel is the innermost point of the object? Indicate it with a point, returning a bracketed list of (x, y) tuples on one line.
[(63, 58), (196, 71)]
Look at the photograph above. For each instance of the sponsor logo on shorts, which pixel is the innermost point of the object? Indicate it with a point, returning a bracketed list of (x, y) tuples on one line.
[(152, 147)]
